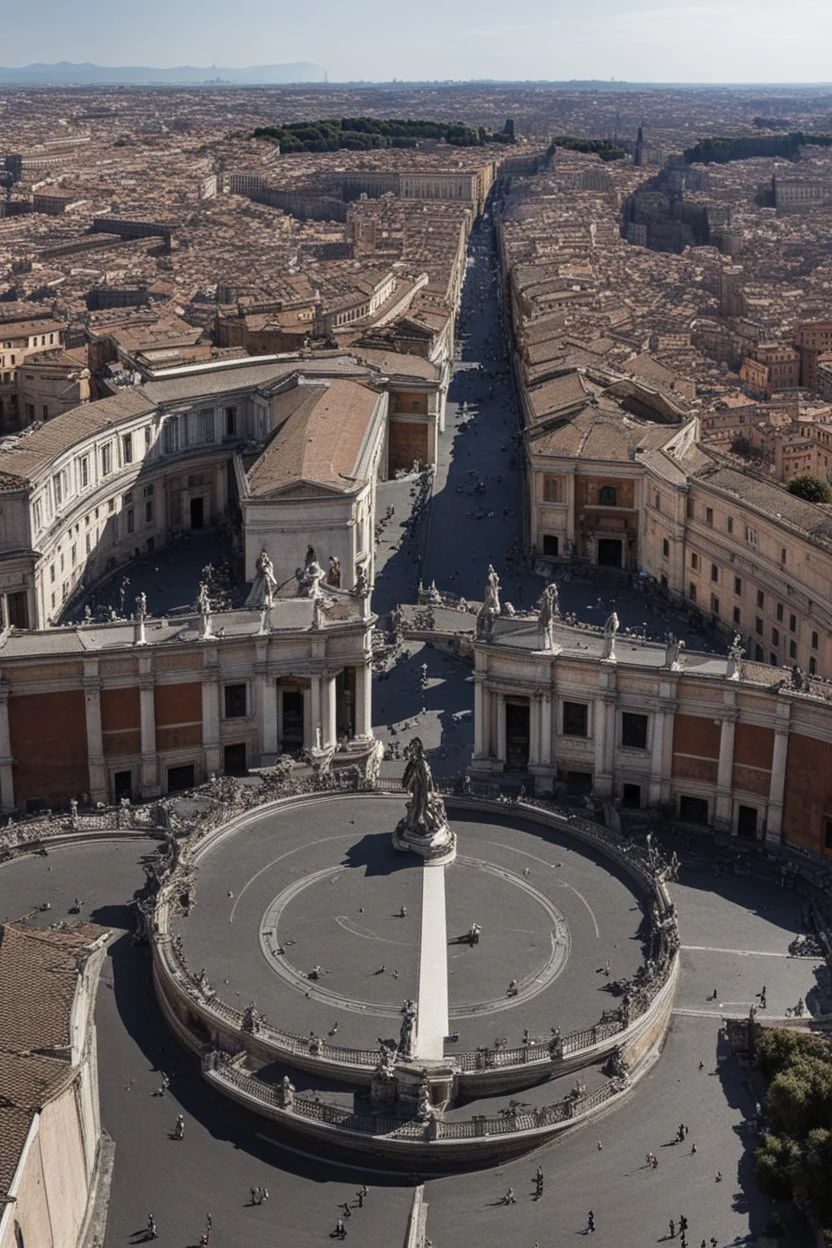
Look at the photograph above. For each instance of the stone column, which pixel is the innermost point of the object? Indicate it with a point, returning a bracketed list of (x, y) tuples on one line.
[(661, 753), (313, 723), (534, 729), (149, 786), (501, 728), (364, 700), (212, 757), (329, 734), (777, 787), (546, 730), (723, 807), (6, 760), (95, 738)]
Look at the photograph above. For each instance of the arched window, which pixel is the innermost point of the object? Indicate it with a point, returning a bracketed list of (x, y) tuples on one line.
[(607, 496)]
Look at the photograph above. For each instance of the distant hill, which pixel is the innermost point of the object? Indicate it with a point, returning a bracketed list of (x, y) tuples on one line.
[(65, 74)]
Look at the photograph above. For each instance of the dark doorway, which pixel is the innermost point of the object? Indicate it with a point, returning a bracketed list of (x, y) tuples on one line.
[(693, 809), (631, 796), (517, 736), (18, 608), (234, 759), (180, 778), (197, 513), (578, 783), (609, 552), (292, 733), (123, 785), (550, 545), (747, 823)]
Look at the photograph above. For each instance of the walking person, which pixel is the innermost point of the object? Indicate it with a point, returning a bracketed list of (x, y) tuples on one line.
[(672, 1229), (590, 1222)]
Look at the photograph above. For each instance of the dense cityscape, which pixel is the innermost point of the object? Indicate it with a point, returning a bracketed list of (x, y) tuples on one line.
[(415, 664)]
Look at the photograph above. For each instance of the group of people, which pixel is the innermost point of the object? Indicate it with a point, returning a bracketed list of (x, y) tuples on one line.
[(361, 1195)]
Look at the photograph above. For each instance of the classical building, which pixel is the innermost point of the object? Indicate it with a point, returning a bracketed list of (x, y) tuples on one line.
[(50, 1126), (140, 709), (107, 481), (719, 739)]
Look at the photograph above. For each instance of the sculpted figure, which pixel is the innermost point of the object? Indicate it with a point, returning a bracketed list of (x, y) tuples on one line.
[(265, 584), (610, 630), (549, 612), (309, 577)]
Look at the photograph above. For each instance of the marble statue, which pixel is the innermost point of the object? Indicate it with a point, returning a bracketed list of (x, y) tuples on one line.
[(309, 577), (610, 630), (672, 652), (264, 586), (490, 608), (407, 1033), (361, 588), (333, 576), (549, 612), (141, 606), (426, 809)]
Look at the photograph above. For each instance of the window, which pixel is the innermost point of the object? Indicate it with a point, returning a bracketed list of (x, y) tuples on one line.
[(550, 545), (714, 572), (690, 509), (782, 554), (729, 524), (758, 626), (37, 518), (106, 460), (692, 592), (51, 574), (814, 641), (779, 612), (714, 604), (236, 701), (45, 410), (634, 731), (575, 719), (792, 649), (813, 665), (231, 422), (751, 536), (665, 548), (147, 437), (658, 502), (736, 615), (775, 636), (148, 511), (58, 486), (85, 472), (737, 586), (127, 448), (694, 560), (773, 659), (180, 778), (607, 496), (131, 520), (87, 543), (709, 517), (761, 598), (73, 555), (792, 623), (205, 425)]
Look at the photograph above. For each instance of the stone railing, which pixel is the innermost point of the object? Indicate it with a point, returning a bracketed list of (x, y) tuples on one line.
[(52, 825)]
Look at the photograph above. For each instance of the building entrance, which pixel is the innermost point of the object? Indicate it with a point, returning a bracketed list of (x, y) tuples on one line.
[(292, 726), (609, 552), (197, 513), (517, 736), (747, 823)]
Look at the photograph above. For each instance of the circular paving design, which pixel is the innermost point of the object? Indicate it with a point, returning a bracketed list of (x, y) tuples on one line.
[(534, 981), (321, 880)]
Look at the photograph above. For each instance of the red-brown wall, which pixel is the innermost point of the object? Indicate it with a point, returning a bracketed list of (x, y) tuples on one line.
[(49, 746)]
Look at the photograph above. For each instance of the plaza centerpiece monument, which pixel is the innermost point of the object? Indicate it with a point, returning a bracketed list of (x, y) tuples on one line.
[(424, 829)]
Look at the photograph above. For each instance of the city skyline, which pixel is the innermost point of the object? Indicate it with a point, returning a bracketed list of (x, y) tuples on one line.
[(682, 42)]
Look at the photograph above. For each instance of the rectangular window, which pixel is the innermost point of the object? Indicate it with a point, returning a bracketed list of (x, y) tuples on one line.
[(73, 554), (761, 598), (782, 554), (148, 511), (131, 520), (551, 492), (127, 448), (736, 615), (690, 509), (658, 502), (759, 654), (58, 486), (737, 586), (714, 572), (231, 422), (751, 537), (51, 574), (792, 649), (236, 701), (37, 519), (575, 719), (665, 548), (709, 517), (814, 640), (779, 612), (758, 626), (792, 623), (634, 731), (729, 523), (106, 460), (714, 604), (775, 636), (694, 560), (87, 543), (85, 472), (692, 592), (147, 437), (205, 425), (813, 665)]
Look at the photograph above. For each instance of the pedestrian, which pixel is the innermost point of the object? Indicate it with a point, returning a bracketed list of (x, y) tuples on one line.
[(347, 1210), (253, 1192), (152, 1232), (654, 1162), (590, 1222), (340, 1229), (693, 1148), (718, 1178), (209, 1221), (600, 1146), (509, 1198), (365, 1191), (672, 1229), (360, 1197)]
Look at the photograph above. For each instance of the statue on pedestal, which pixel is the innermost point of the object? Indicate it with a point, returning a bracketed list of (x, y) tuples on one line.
[(735, 656), (672, 653), (407, 1033), (265, 584), (425, 826), (490, 608), (548, 614), (333, 576), (361, 588), (204, 604), (309, 577), (610, 630)]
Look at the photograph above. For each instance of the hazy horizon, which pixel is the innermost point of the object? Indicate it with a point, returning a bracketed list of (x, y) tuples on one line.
[(680, 42)]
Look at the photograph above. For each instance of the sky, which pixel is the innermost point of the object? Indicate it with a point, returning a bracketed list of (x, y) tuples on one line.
[(636, 40)]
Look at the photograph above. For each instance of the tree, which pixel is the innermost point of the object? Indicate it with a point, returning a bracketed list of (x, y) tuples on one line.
[(811, 488)]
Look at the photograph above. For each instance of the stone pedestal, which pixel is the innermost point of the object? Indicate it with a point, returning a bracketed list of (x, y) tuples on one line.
[(410, 1078), (437, 848)]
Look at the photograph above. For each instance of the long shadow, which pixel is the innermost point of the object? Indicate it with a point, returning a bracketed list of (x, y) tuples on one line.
[(374, 853)]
